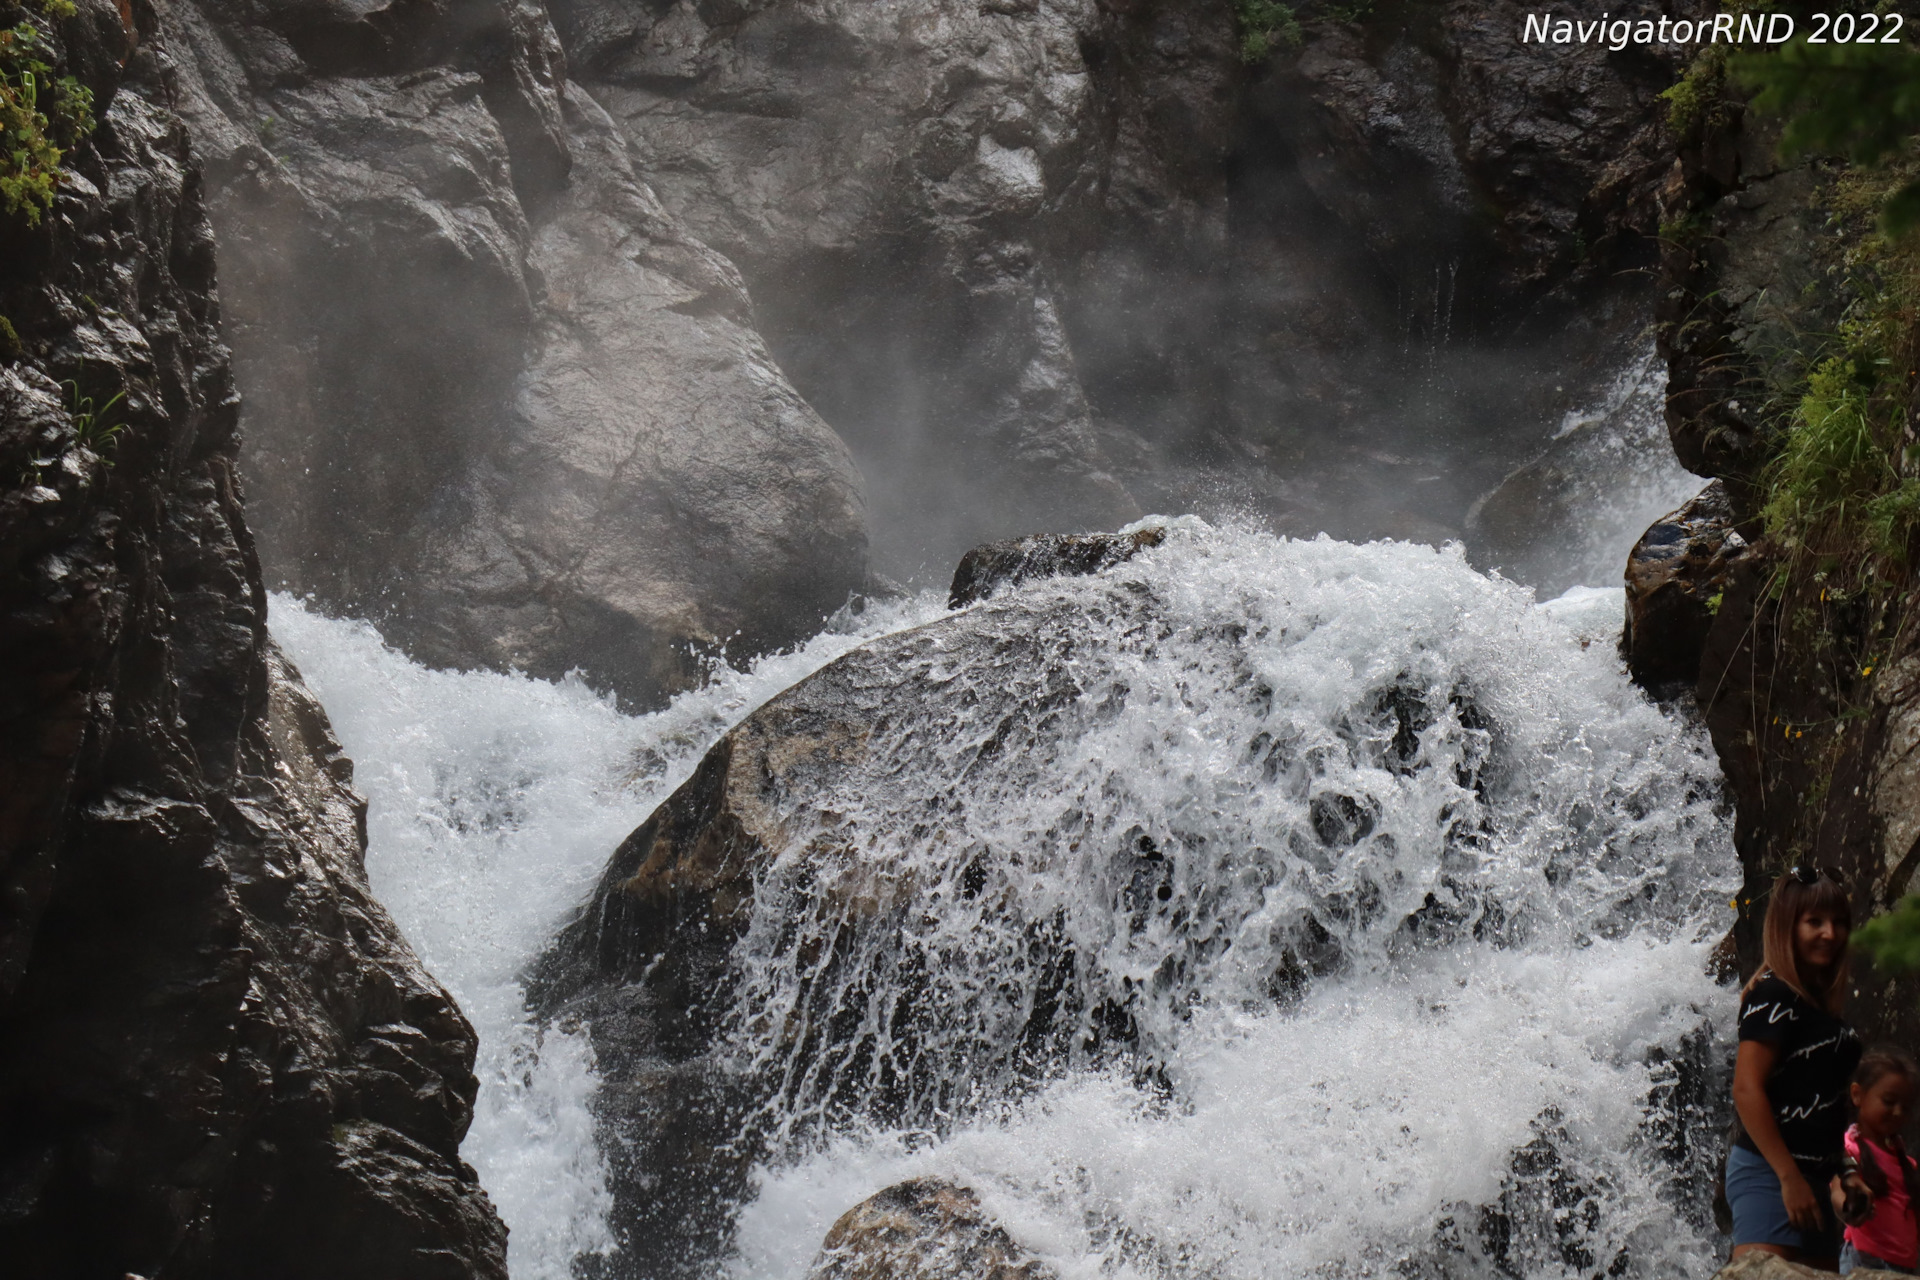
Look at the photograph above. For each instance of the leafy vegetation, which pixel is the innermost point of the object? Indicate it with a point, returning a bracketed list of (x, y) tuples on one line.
[(90, 425), (41, 117), (1841, 492), (1893, 940), (1265, 25), (1843, 481), (1857, 101), (1698, 99)]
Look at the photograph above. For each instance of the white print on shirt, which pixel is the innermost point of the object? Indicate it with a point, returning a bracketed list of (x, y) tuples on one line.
[(1814, 1048), (1801, 1113), (1779, 1011)]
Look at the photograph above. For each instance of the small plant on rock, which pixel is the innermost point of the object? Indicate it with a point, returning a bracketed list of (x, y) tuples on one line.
[(41, 115), (1265, 25), (90, 426)]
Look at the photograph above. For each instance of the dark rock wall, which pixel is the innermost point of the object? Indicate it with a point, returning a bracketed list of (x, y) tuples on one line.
[(218, 1058), (1439, 245), (1810, 682)]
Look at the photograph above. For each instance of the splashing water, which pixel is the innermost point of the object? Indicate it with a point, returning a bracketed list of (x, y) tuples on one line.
[(1401, 893), (493, 801), (1361, 910)]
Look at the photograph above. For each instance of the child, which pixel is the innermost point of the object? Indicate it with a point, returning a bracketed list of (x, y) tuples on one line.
[(1877, 1195)]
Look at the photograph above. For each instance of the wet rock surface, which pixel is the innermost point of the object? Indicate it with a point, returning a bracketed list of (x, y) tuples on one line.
[(913, 191), (925, 1229), (986, 569), (1044, 265), (217, 1055), (649, 966), (498, 399), (1437, 240), (1677, 575), (1807, 685)]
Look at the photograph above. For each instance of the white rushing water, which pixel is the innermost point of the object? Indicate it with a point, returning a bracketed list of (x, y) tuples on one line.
[(1317, 742), (492, 804)]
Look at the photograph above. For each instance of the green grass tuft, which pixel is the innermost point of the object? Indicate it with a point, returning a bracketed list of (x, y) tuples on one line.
[(41, 116)]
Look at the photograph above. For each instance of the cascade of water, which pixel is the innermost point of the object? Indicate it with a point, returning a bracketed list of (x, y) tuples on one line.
[(1372, 908), (493, 801), (1258, 908)]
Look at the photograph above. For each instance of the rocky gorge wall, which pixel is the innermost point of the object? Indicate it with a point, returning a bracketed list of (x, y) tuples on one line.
[(565, 338), (1795, 638), (218, 1057), (904, 277)]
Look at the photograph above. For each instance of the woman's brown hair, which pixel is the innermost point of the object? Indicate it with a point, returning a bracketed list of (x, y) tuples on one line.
[(1790, 899)]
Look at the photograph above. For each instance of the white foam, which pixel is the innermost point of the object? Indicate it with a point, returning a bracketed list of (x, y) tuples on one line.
[(1361, 1130), (493, 802), (1356, 1133)]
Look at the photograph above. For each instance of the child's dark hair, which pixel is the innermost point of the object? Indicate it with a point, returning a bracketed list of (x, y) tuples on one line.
[(1876, 1064)]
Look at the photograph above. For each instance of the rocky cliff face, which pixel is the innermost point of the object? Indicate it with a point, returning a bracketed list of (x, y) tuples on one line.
[(1043, 264), (498, 398), (218, 1058), (1039, 265), (1807, 668)]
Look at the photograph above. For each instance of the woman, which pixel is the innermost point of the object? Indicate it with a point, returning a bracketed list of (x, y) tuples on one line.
[(1790, 1078)]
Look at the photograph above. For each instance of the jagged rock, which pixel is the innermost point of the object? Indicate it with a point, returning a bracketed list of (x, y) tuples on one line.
[(1743, 275), (925, 1229), (218, 1057), (1676, 576), (658, 481), (497, 398), (1806, 680), (1437, 252), (984, 570)]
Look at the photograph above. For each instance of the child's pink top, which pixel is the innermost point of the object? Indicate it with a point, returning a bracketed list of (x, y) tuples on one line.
[(1891, 1232)]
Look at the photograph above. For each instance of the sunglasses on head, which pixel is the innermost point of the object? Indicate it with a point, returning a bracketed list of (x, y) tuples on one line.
[(1813, 875)]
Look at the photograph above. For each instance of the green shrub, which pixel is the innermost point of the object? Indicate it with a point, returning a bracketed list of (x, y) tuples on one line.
[(1857, 101), (1264, 26), (1698, 99), (41, 115), (1837, 469)]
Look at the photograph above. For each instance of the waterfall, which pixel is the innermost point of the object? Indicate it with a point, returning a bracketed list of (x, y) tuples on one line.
[(492, 802), (1403, 894)]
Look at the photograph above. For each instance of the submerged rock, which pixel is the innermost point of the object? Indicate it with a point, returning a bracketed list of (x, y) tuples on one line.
[(925, 1229), (965, 857), (986, 569), (218, 1056), (1677, 575)]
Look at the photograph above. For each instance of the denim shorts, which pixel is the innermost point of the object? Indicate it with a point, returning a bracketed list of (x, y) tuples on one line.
[(1759, 1215), (1851, 1259)]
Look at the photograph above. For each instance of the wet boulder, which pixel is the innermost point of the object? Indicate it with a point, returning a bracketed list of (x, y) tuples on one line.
[(1676, 576), (922, 1229), (986, 569)]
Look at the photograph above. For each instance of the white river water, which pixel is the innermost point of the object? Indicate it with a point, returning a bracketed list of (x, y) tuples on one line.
[(1494, 1096)]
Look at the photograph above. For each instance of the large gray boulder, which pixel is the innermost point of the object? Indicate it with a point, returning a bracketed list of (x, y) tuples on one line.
[(218, 1057), (933, 202), (497, 398)]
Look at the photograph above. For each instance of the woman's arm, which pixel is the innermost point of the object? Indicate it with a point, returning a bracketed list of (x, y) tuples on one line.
[(1750, 1071)]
